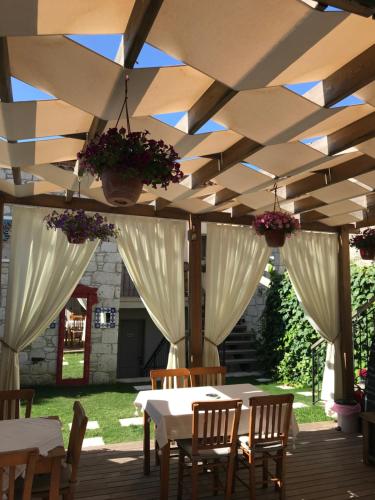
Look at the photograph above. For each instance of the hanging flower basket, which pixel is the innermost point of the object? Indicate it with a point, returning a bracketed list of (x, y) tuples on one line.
[(365, 242), (80, 227), (127, 161), (276, 226)]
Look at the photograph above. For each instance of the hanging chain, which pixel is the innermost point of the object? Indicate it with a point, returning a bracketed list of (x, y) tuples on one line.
[(276, 203), (125, 105)]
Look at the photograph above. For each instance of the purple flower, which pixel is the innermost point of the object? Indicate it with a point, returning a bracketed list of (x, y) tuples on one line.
[(78, 225)]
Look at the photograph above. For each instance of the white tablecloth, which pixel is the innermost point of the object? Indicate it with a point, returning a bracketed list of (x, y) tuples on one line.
[(22, 433), (170, 409)]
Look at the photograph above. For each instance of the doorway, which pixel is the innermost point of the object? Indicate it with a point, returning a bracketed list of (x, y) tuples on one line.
[(130, 348), (74, 343)]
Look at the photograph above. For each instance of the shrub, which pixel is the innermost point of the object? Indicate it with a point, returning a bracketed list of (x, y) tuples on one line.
[(286, 334)]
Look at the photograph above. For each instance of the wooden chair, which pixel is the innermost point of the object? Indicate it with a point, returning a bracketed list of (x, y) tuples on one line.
[(213, 444), (8, 463), (169, 378), (210, 375), (69, 474), (76, 328), (10, 403), (269, 424)]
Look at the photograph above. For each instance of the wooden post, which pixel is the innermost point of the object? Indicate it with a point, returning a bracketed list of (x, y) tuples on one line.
[(345, 306), (195, 291), (1, 240)]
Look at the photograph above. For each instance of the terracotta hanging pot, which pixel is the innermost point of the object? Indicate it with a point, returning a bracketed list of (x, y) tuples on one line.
[(367, 253), (275, 238), (119, 191), (75, 239)]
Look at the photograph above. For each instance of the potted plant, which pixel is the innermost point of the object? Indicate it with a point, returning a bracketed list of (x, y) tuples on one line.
[(125, 161), (276, 226), (365, 242), (80, 227)]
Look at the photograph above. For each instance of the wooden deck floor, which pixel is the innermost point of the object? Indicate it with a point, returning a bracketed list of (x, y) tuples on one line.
[(325, 464)]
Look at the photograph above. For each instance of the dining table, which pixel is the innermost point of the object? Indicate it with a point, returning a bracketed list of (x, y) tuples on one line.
[(43, 433), (171, 412)]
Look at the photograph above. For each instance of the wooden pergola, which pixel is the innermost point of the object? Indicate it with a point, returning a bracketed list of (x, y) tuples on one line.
[(243, 62)]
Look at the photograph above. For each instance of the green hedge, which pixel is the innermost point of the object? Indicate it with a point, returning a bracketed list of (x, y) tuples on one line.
[(287, 336)]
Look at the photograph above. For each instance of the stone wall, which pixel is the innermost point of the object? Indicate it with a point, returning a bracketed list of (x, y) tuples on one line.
[(38, 361)]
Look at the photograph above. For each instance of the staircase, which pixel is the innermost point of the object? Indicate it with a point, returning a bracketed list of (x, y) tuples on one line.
[(238, 351)]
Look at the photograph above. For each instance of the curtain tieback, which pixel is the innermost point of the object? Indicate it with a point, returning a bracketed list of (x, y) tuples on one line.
[(8, 346), (210, 341), (179, 340)]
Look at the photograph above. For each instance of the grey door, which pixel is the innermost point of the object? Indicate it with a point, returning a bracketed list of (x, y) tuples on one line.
[(130, 348)]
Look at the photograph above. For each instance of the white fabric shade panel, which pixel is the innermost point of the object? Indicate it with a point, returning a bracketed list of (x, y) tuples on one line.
[(284, 43), (153, 252), (23, 154), (312, 263), (44, 271), (235, 260), (46, 17), (29, 119), (105, 78)]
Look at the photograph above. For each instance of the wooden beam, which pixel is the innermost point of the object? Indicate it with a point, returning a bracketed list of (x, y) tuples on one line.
[(90, 205), (6, 94), (344, 171), (351, 135), (351, 77), (1, 239), (140, 23), (361, 7), (215, 97), (230, 157), (345, 305), (195, 291)]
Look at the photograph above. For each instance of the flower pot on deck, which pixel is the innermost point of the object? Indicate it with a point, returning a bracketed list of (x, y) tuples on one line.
[(119, 191), (275, 238), (347, 416)]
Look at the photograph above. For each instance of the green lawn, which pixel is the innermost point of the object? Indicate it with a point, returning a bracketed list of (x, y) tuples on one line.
[(74, 366), (108, 403)]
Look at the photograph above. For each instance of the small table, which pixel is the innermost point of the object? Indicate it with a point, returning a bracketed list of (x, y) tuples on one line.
[(170, 409), (42, 433), (368, 430)]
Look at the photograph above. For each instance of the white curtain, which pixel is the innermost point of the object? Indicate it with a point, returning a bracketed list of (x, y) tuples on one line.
[(235, 260), (312, 263), (153, 252), (44, 271)]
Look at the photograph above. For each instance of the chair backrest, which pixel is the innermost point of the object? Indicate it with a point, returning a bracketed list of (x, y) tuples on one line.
[(10, 403), (8, 463), (169, 378), (77, 434), (215, 424), (210, 375), (270, 419)]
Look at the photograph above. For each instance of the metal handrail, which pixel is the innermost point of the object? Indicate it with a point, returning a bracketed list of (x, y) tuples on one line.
[(362, 338), (363, 308)]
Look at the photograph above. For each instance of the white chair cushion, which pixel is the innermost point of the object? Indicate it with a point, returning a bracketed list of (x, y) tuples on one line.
[(186, 445), (267, 446)]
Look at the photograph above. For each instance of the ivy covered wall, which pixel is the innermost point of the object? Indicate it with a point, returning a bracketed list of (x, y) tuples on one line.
[(286, 335)]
